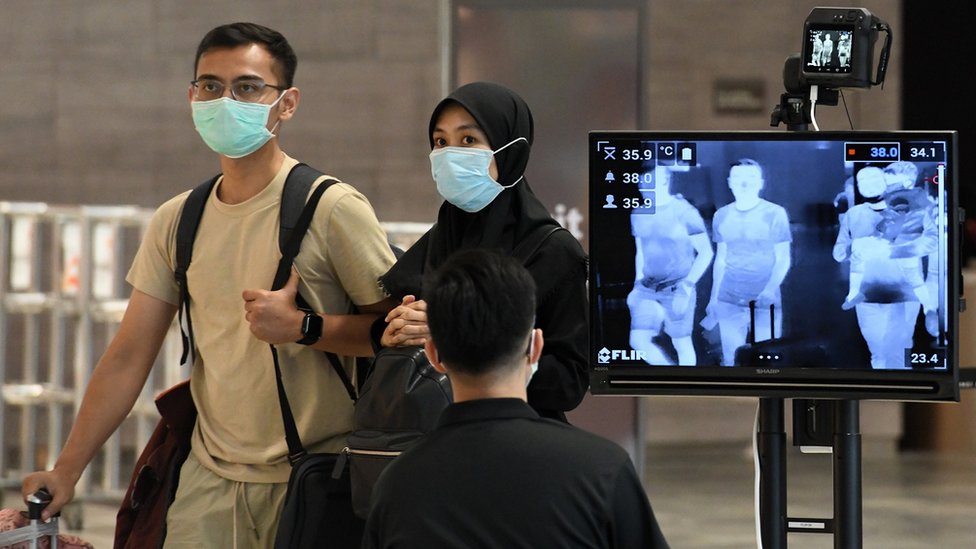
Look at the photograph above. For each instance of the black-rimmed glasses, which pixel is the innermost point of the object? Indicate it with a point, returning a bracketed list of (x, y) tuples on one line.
[(250, 90)]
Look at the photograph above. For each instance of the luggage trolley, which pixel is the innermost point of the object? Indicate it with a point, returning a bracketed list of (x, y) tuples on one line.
[(36, 529)]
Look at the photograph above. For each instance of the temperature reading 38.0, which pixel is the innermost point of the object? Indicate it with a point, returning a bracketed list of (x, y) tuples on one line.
[(884, 152)]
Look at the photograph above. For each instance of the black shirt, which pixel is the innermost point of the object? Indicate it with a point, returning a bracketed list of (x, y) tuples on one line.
[(496, 475)]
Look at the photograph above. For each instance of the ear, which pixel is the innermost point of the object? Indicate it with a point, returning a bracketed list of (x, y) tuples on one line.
[(289, 103), (433, 357), (189, 93), (537, 343)]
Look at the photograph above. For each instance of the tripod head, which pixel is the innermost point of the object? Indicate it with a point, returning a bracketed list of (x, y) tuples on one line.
[(795, 107)]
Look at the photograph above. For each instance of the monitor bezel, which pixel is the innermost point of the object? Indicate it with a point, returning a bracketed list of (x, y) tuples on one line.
[(789, 382)]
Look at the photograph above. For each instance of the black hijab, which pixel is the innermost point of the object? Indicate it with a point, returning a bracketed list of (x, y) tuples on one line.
[(503, 116)]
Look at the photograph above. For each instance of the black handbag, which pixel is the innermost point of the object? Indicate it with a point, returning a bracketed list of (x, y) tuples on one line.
[(400, 402), (317, 513)]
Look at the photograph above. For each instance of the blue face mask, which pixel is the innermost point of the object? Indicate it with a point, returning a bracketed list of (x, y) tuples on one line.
[(462, 176), (233, 128)]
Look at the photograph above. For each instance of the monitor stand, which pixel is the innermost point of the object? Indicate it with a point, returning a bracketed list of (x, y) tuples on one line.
[(846, 526)]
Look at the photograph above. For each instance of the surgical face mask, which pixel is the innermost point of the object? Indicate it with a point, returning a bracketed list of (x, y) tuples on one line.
[(533, 367), (462, 176), (233, 128)]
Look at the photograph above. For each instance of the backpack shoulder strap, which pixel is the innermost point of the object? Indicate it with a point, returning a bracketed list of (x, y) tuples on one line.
[(293, 199), (186, 232), (296, 216), (527, 249)]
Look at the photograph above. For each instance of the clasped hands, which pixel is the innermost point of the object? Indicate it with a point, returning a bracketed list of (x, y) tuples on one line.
[(406, 324)]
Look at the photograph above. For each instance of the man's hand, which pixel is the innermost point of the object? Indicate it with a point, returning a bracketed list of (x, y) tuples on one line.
[(766, 297), (273, 315), (62, 490), (406, 324)]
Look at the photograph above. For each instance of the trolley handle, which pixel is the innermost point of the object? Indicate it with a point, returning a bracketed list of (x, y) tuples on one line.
[(36, 503)]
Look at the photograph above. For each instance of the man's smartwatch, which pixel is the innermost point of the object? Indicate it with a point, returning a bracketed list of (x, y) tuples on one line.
[(311, 328)]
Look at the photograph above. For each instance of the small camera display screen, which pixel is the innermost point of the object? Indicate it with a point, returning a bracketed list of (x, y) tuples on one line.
[(827, 49)]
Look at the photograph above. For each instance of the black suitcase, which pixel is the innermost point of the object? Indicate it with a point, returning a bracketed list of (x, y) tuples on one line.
[(779, 351)]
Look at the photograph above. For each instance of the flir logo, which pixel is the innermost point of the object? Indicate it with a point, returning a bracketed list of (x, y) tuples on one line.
[(604, 355)]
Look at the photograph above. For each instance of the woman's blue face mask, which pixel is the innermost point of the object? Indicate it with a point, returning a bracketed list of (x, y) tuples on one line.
[(463, 178)]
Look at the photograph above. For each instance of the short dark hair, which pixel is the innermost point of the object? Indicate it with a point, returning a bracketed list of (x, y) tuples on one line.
[(748, 162), (240, 34), (480, 308)]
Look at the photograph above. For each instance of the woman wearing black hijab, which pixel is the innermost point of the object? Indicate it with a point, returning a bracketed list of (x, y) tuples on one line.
[(485, 125)]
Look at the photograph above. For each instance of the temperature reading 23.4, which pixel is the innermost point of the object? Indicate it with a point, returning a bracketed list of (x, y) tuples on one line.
[(919, 358)]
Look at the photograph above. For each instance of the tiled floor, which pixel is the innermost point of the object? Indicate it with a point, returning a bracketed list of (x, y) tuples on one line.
[(704, 498)]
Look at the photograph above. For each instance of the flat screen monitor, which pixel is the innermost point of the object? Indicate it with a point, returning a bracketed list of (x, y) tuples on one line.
[(774, 264)]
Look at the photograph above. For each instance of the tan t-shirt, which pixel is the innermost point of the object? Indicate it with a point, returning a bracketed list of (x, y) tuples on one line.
[(239, 433)]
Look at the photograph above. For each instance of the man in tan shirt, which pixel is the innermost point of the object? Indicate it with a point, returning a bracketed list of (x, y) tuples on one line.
[(233, 483)]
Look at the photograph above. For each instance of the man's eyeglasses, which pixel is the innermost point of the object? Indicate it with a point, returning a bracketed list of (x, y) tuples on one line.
[(246, 91)]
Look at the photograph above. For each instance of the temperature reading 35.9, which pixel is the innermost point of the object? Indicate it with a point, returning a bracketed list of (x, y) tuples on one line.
[(637, 154)]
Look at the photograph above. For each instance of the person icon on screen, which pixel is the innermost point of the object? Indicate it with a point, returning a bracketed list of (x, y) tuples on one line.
[(610, 203), (673, 252), (752, 258)]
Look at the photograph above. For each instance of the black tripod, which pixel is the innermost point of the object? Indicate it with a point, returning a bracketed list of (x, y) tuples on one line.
[(827, 423)]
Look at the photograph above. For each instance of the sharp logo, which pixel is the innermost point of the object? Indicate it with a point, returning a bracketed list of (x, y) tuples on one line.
[(767, 370), (604, 355)]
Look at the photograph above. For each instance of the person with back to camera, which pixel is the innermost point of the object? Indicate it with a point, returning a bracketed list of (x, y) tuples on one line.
[(232, 485), (494, 473), (673, 252), (752, 258), (481, 136)]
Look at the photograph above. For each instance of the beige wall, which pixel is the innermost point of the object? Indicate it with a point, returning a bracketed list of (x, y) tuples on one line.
[(93, 104)]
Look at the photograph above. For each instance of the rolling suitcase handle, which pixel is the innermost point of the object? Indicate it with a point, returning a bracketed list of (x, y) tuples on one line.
[(752, 321)]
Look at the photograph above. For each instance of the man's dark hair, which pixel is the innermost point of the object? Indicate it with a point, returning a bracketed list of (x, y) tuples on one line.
[(480, 308), (748, 162), (241, 34)]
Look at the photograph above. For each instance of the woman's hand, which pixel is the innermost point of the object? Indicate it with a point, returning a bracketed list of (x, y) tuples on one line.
[(406, 324)]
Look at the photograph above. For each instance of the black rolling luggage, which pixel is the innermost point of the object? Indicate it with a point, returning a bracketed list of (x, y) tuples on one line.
[(779, 352)]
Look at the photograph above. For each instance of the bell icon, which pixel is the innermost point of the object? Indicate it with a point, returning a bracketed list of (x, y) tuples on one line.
[(609, 177)]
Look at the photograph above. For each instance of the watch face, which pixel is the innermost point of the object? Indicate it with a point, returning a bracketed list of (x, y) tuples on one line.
[(311, 328)]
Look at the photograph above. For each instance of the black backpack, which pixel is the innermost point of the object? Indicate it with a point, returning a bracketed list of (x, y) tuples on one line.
[(401, 400), (293, 201)]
